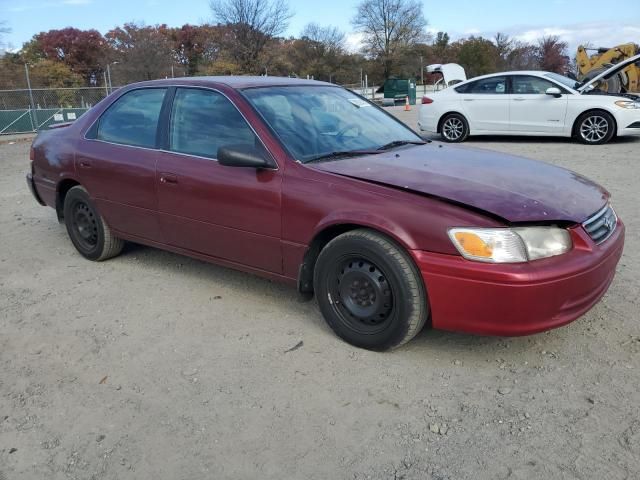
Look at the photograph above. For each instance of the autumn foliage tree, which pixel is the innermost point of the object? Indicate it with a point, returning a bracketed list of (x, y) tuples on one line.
[(196, 45), (139, 52), (83, 51), (552, 54)]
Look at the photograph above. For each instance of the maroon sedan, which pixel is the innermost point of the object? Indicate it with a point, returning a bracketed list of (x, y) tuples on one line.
[(308, 183)]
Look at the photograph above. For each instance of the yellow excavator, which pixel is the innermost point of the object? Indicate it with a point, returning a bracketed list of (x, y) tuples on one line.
[(591, 65)]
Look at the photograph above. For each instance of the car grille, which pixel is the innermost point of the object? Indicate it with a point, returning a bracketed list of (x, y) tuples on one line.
[(602, 224)]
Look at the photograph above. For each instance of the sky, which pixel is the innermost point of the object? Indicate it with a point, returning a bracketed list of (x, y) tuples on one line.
[(599, 23)]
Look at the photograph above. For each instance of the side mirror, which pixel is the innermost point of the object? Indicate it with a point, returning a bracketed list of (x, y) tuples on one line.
[(243, 156), (553, 91)]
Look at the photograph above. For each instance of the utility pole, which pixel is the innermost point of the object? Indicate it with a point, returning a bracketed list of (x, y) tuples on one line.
[(421, 71), (106, 84), (109, 76), (34, 120)]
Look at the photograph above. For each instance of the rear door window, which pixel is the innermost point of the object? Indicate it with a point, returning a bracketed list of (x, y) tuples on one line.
[(133, 118), (491, 85)]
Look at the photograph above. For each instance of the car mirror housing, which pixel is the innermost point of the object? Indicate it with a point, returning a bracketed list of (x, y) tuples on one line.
[(243, 156), (553, 91)]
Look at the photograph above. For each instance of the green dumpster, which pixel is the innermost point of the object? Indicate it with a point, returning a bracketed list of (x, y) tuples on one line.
[(399, 89)]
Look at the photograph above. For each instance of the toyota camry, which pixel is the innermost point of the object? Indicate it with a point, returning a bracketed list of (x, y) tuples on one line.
[(308, 183)]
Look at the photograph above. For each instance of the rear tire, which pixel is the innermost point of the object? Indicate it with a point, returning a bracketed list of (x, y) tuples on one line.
[(595, 128), (369, 290), (454, 128), (87, 230)]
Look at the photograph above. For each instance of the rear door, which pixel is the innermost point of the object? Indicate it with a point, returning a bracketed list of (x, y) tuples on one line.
[(531, 110), (117, 162), (231, 213), (486, 105)]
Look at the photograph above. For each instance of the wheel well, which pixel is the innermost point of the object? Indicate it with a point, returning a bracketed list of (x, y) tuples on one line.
[(443, 116), (63, 188), (305, 274), (593, 110)]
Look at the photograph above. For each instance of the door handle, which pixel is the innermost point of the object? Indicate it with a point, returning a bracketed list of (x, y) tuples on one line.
[(468, 99), (519, 99), (169, 178), (85, 164)]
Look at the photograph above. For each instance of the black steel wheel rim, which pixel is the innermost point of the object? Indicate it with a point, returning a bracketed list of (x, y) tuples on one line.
[(85, 225), (361, 295)]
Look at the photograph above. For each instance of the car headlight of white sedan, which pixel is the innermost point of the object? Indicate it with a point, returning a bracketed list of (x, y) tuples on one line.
[(510, 245), (630, 104)]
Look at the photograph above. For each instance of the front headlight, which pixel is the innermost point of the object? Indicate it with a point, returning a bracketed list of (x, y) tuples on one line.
[(628, 104), (510, 245)]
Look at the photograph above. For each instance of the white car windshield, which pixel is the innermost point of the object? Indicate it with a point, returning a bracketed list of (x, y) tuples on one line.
[(316, 122), (569, 82)]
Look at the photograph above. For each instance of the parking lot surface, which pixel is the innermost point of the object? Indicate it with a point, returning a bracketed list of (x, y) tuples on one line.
[(153, 365)]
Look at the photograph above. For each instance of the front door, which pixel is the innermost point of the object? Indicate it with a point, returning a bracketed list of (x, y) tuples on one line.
[(532, 110), (231, 213), (117, 163)]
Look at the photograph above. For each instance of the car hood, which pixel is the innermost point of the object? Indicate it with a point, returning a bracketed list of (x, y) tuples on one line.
[(513, 188), (611, 71)]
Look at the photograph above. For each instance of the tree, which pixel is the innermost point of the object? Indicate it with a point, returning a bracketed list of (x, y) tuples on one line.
[(3, 31), (141, 52), (326, 40), (318, 52), (389, 27), (440, 44), (504, 46), (251, 24), (194, 45), (83, 51), (522, 56), (552, 54), (478, 56)]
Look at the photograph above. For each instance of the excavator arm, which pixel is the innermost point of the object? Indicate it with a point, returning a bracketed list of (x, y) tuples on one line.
[(591, 65)]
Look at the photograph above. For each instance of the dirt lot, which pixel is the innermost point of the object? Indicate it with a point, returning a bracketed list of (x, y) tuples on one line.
[(153, 365)]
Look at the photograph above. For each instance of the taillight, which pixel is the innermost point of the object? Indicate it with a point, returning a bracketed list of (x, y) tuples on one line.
[(426, 100), (32, 154)]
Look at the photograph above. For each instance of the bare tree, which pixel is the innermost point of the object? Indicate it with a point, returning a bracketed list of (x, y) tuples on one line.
[(504, 45), (330, 40), (389, 27), (251, 24)]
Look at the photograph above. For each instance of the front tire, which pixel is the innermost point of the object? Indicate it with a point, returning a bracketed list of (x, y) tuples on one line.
[(595, 128), (87, 230), (454, 128), (369, 290)]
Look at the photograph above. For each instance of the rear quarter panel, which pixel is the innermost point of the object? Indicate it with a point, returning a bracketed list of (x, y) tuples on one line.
[(54, 161)]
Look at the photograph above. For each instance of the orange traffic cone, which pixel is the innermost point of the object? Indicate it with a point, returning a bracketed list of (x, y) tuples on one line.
[(407, 108)]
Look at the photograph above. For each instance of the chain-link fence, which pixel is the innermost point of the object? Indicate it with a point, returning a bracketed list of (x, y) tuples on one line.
[(30, 110)]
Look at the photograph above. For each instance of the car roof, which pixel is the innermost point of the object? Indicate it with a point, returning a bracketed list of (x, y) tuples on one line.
[(536, 73), (237, 81)]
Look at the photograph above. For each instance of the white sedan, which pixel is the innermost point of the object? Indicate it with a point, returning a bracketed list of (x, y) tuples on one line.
[(532, 103)]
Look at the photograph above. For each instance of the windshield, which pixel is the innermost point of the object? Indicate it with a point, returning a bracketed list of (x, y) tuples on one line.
[(569, 82), (317, 122)]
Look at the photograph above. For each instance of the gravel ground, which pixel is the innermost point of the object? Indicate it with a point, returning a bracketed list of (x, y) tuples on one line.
[(153, 365)]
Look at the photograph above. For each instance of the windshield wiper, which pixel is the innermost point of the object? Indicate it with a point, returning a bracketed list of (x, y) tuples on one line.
[(339, 154), (399, 143)]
